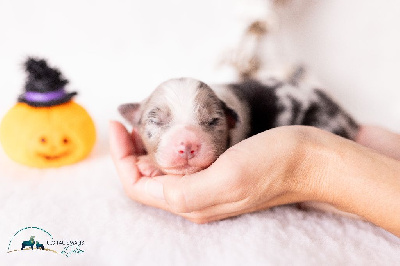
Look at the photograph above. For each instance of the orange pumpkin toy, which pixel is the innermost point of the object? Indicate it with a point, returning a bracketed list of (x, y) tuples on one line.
[(46, 128)]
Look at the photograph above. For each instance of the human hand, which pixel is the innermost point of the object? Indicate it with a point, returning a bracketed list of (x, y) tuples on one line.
[(263, 171)]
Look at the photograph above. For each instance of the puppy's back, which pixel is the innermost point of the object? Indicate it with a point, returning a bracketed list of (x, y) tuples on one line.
[(272, 104)]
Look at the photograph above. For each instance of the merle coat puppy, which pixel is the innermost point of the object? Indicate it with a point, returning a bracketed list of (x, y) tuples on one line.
[(186, 124)]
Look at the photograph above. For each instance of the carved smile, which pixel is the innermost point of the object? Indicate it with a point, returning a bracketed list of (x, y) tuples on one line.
[(53, 157)]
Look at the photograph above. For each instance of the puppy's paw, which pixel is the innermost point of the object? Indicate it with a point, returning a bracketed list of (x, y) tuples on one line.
[(147, 167)]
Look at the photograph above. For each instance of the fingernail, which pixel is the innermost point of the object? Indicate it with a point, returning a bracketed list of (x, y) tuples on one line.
[(155, 189)]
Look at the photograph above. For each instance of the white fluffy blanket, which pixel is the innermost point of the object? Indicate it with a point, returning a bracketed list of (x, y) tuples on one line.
[(85, 202), (117, 51)]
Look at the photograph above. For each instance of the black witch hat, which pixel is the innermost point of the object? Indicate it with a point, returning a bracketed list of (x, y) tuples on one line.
[(44, 86)]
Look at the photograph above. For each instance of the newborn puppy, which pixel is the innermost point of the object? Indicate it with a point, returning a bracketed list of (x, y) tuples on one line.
[(184, 127), (186, 124)]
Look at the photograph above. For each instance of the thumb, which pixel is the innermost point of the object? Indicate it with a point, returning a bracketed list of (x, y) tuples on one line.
[(218, 184), (138, 142)]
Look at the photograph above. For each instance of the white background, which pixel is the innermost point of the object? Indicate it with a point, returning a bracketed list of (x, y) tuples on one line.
[(114, 51)]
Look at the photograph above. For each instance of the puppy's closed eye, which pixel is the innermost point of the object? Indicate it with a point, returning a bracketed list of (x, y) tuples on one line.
[(158, 117), (212, 122), (155, 121)]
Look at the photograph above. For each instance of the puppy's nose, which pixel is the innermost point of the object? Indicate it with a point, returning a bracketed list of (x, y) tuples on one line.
[(188, 150)]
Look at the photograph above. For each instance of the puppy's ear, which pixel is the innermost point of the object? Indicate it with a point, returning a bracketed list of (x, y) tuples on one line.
[(131, 112), (232, 117)]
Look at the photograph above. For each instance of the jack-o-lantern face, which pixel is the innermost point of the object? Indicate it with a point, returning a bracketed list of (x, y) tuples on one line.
[(47, 136), (50, 146)]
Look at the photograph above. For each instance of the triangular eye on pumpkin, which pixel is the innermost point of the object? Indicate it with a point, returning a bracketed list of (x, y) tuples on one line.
[(46, 128)]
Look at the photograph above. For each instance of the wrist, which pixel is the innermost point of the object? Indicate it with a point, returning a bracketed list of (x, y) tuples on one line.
[(356, 180), (363, 182), (320, 158), (309, 162), (311, 174)]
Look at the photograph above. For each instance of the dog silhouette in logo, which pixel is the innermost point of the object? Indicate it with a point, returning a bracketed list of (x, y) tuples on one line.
[(28, 243), (39, 246)]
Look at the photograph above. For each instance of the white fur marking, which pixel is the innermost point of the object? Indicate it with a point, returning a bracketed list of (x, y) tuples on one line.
[(180, 95)]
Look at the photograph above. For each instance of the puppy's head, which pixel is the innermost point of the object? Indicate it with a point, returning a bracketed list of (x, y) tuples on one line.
[(183, 124)]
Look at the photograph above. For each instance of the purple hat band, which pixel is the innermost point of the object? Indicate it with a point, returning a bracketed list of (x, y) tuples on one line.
[(34, 96)]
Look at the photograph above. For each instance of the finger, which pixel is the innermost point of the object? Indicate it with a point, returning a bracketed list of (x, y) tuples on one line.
[(141, 189), (380, 139), (218, 184), (122, 153), (121, 144), (138, 143), (217, 212), (149, 191), (223, 211), (145, 190), (199, 218)]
